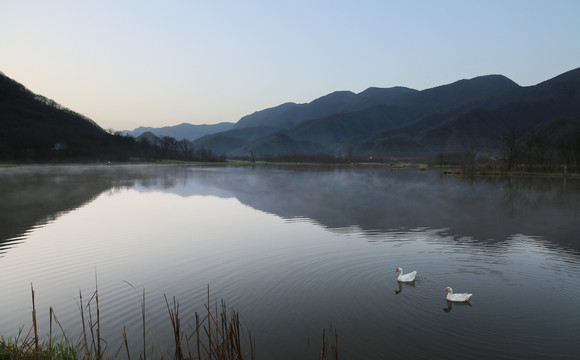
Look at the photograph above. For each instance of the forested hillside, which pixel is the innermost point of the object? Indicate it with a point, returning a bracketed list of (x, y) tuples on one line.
[(36, 129), (470, 115), (33, 127)]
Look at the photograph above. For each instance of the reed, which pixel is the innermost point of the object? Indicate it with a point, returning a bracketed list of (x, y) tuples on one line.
[(218, 334), (331, 353), (29, 347)]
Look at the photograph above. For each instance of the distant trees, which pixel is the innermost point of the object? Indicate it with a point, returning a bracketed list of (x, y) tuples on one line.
[(507, 145), (169, 148), (321, 158), (556, 148), (185, 148), (471, 148), (108, 146)]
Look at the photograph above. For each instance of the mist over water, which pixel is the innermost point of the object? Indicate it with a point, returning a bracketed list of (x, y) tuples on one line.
[(296, 250)]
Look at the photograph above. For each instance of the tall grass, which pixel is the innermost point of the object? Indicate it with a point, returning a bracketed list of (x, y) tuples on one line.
[(217, 335)]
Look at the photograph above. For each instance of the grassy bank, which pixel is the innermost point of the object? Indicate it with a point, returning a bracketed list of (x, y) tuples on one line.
[(498, 171), (217, 335)]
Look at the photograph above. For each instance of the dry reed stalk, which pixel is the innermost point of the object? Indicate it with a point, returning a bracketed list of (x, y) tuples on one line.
[(85, 343), (324, 352), (36, 347), (66, 339), (252, 346), (335, 348), (91, 325), (126, 343), (197, 335), (222, 334), (221, 327), (99, 351), (95, 346), (50, 334), (143, 316), (208, 331), (175, 323)]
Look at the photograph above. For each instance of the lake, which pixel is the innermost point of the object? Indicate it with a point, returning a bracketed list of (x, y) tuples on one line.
[(296, 250)]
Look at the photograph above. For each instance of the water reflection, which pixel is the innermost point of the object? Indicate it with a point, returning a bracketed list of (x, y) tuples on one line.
[(486, 210), (401, 285), (451, 304), (294, 249), (370, 201), (36, 195)]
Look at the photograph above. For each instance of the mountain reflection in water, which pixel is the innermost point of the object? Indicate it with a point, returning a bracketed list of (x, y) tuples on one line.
[(379, 200), (489, 209), (294, 249)]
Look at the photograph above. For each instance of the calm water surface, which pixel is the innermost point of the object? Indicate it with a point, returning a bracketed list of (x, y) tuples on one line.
[(296, 250)]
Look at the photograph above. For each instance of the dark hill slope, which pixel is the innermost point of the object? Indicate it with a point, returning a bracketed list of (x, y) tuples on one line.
[(557, 98), (32, 115), (482, 91), (479, 127), (279, 116), (234, 141), (31, 126), (333, 129), (284, 144), (559, 128), (565, 85)]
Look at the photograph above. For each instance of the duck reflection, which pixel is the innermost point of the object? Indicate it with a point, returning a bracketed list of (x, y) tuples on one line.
[(401, 284), (450, 305)]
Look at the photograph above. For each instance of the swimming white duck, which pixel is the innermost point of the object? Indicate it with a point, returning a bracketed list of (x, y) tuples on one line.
[(457, 297), (405, 277)]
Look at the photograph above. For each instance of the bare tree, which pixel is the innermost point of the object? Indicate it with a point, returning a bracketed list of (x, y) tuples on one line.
[(168, 146), (508, 146), (471, 148), (185, 149)]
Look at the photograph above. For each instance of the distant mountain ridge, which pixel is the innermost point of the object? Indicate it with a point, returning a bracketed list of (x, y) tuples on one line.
[(397, 122), (402, 122), (291, 114), (182, 131)]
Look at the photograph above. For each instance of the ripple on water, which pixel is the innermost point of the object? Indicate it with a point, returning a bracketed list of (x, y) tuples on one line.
[(525, 300)]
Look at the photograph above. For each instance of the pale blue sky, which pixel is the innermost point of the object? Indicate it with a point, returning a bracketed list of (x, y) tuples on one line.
[(161, 63)]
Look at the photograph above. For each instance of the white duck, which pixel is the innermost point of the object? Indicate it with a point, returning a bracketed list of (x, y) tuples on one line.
[(457, 297), (406, 277)]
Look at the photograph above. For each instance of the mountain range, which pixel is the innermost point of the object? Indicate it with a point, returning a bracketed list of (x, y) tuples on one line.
[(402, 122), (182, 131), (397, 122)]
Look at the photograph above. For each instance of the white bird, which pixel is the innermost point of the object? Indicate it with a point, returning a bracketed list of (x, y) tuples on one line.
[(406, 277), (457, 297)]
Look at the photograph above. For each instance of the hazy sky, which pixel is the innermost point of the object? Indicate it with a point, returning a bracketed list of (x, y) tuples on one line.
[(160, 63)]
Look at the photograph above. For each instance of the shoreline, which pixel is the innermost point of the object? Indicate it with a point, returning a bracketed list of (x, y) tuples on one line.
[(394, 165)]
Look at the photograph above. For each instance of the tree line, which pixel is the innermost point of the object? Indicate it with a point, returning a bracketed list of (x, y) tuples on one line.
[(543, 150), (539, 152), (168, 147), (98, 148)]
